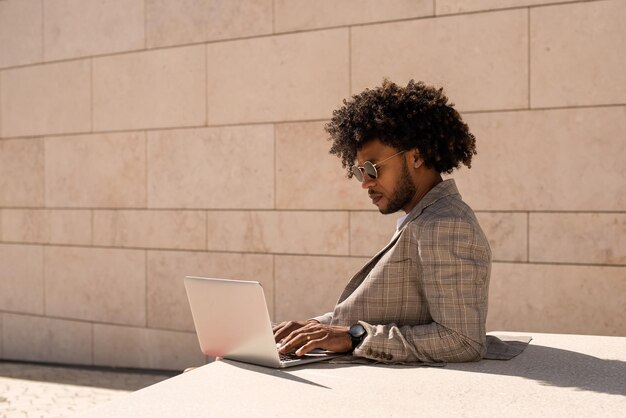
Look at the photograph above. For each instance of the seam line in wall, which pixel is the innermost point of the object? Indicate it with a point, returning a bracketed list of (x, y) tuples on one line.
[(528, 53), (273, 16), (277, 254), (259, 36), (349, 61), (145, 168), (528, 236), (275, 166), (206, 85), (226, 125)]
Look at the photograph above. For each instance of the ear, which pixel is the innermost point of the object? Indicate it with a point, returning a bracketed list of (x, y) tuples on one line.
[(417, 160)]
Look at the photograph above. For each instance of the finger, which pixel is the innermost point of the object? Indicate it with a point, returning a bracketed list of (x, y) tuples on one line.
[(296, 340), (283, 330), (308, 347)]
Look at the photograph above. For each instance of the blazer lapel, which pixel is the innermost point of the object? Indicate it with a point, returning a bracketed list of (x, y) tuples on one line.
[(445, 188)]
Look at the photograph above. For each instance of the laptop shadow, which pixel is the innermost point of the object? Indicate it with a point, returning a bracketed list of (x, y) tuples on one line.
[(273, 372)]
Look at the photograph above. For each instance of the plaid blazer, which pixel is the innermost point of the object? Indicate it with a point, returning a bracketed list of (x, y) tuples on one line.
[(423, 298)]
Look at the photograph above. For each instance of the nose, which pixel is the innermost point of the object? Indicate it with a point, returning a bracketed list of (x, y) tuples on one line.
[(367, 181)]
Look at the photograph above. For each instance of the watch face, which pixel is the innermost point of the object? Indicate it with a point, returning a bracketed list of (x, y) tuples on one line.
[(357, 331)]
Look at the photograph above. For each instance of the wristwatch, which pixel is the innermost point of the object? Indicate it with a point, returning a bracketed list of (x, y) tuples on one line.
[(357, 334)]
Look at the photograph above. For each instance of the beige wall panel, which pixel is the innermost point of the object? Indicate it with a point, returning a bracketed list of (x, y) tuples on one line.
[(557, 299), (103, 170), (307, 176), (46, 226), (571, 159), (21, 278), (145, 348), (150, 229), (154, 89), (102, 285), (1, 335), (481, 60), (20, 32), (304, 14), (577, 54), (46, 99), (507, 234), (167, 301), (578, 237), (310, 286), (34, 338), (75, 28), (279, 232), (192, 21), (278, 78), (230, 167), (463, 6), (371, 231), (22, 172)]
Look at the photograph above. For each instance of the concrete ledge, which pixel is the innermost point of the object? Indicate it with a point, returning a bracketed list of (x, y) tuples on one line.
[(557, 375)]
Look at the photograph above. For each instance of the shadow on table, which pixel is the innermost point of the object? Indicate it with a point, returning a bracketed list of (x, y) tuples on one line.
[(273, 372), (557, 367), (97, 377)]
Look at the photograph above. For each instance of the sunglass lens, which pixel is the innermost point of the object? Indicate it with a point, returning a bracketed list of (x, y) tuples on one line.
[(370, 169), (356, 171)]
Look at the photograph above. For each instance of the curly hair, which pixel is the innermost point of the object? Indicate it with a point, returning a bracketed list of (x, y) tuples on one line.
[(413, 117)]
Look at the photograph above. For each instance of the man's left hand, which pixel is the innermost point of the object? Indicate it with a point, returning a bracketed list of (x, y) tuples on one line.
[(315, 335)]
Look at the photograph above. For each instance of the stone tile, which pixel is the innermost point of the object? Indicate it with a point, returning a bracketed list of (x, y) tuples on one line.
[(481, 60), (192, 21), (578, 237), (573, 54), (463, 6), (279, 232), (297, 275), (279, 78), (105, 285), (230, 167), (371, 231), (294, 15), (168, 307), (60, 94), (34, 338), (46, 226), (76, 28), (307, 176), (507, 233), (22, 172), (557, 299), (143, 348), (154, 89), (21, 278), (102, 170), (150, 229), (526, 150), (20, 32)]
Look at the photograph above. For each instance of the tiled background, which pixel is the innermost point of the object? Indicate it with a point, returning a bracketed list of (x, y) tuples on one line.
[(144, 140)]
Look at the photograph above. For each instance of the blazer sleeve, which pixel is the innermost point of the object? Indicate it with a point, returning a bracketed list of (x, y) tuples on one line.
[(454, 262), (324, 319)]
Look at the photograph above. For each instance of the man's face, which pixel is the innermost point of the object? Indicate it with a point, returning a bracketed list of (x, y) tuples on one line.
[(393, 189)]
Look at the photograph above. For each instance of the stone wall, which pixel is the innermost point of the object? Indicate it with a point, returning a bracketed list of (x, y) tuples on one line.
[(145, 140)]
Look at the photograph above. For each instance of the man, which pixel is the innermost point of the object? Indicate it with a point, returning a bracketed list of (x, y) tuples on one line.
[(422, 298)]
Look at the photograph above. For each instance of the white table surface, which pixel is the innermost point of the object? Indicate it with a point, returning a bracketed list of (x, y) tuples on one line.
[(557, 375)]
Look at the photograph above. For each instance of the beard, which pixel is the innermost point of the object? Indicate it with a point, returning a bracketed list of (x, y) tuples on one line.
[(402, 194)]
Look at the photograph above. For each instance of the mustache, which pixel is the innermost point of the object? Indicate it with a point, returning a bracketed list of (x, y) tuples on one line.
[(371, 192)]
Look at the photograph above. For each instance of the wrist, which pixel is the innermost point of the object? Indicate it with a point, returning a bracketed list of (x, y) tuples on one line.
[(357, 334)]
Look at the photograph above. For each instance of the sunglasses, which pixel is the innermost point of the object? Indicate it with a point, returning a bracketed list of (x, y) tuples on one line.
[(369, 168)]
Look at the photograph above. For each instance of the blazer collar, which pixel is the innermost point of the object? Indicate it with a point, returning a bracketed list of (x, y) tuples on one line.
[(441, 190)]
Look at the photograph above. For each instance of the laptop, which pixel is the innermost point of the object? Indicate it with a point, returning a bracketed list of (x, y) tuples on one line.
[(232, 322)]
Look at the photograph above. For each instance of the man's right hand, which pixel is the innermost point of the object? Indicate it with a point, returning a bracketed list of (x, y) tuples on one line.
[(285, 328)]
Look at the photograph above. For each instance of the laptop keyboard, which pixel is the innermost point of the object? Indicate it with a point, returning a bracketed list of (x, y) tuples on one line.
[(288, 357)]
